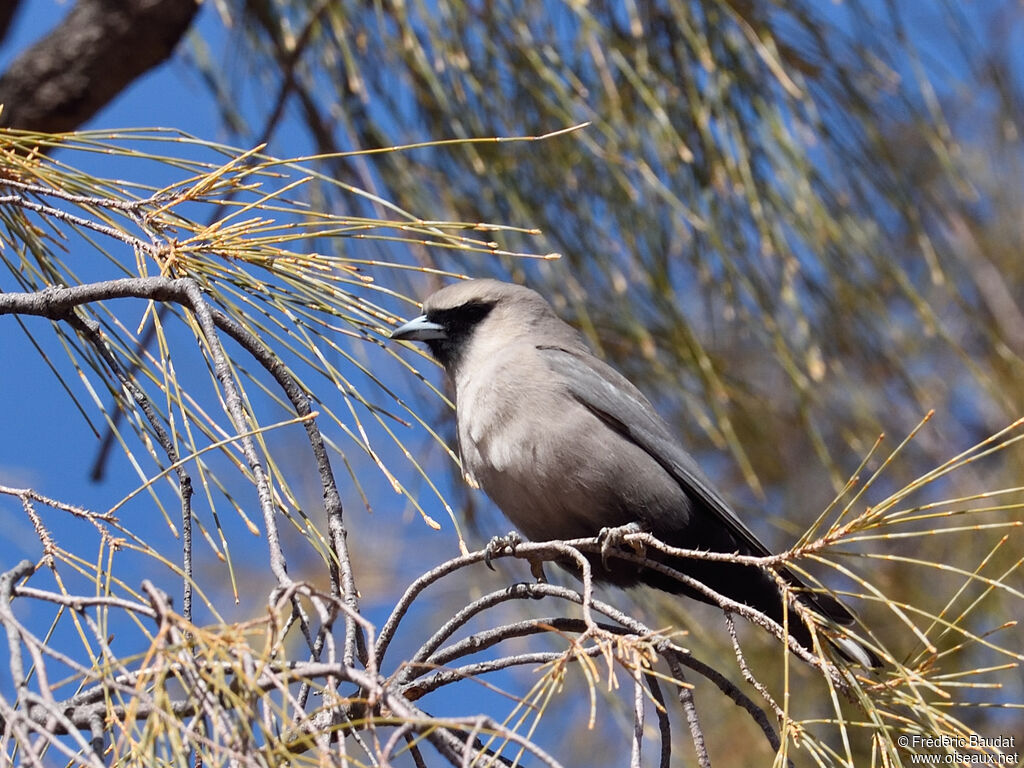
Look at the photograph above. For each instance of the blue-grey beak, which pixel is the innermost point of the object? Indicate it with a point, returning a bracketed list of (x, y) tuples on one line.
[(419, 329)]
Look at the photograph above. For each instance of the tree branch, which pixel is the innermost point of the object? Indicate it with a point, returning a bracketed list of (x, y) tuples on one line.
[(89, 58), (56, 303)]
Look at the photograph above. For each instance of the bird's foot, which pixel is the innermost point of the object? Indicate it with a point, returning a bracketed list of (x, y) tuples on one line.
[(613, 538), (498, 544), (537, 570)]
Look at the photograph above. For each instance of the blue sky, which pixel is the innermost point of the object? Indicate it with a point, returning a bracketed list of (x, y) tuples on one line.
[(24, 461)]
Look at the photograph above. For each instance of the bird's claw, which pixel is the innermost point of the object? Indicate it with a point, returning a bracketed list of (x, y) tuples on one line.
[(497, 544), (613, 538)]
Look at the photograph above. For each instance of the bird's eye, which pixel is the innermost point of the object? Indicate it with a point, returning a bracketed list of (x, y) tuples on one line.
[(463, 317)]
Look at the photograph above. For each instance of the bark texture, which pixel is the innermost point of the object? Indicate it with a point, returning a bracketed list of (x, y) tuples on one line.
[(92, 55)]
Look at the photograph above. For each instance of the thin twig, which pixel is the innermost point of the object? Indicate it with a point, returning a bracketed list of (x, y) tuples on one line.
[(685, 694)]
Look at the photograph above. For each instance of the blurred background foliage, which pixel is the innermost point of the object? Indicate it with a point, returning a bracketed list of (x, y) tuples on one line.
[(794, 225)]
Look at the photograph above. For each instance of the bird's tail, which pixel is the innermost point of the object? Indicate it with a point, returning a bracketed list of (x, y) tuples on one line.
[(830, 607)]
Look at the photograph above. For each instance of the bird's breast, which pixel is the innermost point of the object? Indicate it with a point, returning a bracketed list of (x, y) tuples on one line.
[(552, 467)]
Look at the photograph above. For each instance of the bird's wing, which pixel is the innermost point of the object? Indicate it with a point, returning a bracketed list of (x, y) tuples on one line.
[(612, 398), (609, 395)]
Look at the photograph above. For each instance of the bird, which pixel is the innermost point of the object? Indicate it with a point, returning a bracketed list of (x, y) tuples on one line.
[(568, 448)]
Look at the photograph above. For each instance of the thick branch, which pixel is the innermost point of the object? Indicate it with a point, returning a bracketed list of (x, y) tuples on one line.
[(7, 10), (89, 58)]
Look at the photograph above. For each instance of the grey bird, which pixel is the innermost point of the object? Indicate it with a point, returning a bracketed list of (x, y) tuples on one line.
[(568, 448)]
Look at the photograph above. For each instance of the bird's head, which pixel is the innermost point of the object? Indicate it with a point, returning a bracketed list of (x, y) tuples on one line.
[(480, 317)]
